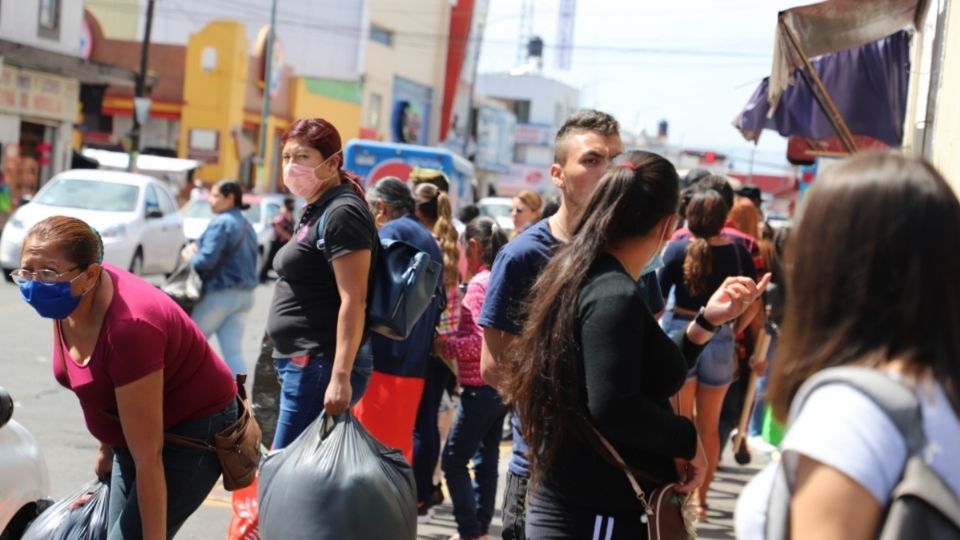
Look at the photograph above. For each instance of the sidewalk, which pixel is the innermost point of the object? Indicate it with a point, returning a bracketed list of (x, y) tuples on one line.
[(727, 484)]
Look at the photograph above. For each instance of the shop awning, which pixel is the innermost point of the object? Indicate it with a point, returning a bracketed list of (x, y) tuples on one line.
[(833, 26), (868, 85), (86, 71)]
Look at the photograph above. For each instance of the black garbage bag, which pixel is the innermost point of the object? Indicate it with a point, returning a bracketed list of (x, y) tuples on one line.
[(337, 481), (80, 516)]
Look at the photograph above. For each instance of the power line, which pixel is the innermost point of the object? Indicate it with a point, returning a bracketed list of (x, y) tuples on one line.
[(429, 39)]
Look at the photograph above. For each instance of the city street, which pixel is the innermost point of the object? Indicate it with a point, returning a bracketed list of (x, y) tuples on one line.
[(52, 414)]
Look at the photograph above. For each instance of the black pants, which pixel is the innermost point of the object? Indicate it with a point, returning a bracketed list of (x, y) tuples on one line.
[(426, 433), (551, 521), (275, 246), (514, 507)]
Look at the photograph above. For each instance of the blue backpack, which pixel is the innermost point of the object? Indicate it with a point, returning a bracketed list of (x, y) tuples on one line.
[(404, 281)]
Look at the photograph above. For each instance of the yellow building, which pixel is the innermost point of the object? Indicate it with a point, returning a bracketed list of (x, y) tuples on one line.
[(223, 93), (405, 69), (118, 18)]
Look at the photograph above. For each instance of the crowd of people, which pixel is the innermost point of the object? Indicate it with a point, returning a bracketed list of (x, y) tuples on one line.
[(618, 326)]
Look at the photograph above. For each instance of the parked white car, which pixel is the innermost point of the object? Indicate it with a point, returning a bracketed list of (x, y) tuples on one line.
[(263, 208), (24, 480), (136, 216), (498, 208)]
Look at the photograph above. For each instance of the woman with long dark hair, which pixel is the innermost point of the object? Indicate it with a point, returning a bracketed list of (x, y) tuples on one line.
[(318, 314), (592, 356), (694, 267), (872, 268)]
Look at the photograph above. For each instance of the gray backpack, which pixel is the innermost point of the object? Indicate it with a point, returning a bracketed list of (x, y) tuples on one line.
[(922, 505)]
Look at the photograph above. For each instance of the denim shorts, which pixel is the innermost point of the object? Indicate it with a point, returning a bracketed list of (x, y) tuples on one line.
[(715, 366)]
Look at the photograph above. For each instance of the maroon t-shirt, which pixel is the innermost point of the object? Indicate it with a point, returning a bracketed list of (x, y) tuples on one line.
[(144, 331)]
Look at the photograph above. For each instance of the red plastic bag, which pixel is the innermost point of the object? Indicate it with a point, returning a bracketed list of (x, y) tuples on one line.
[(245, 524)]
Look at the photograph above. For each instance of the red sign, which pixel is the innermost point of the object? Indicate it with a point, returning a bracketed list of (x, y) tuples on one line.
[(391, 167)]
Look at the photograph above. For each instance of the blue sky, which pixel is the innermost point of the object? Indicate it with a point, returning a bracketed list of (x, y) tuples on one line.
[(692, 62)]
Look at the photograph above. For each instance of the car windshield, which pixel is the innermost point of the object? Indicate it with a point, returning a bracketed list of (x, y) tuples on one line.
[(200, 209), (90, 195), (495, 210)]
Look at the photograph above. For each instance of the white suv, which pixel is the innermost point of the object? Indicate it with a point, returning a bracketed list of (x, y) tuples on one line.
[(24, 481)]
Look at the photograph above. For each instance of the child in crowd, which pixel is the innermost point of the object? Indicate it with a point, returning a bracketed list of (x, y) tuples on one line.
[(480, 416)]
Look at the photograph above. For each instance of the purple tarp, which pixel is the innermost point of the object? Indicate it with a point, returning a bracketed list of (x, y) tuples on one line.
[(868, 84)]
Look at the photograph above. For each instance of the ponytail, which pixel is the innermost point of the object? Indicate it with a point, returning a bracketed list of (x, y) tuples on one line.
[(446, 235), (489, 235), (706, 215), (697, 266)]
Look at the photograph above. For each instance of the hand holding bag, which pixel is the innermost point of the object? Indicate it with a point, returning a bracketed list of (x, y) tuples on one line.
[(184, 286)]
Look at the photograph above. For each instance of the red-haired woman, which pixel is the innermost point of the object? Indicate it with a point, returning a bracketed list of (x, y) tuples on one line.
[(139, 367), (318, 312)]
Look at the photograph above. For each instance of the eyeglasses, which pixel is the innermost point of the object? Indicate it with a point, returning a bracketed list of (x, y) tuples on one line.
[(45, 276)]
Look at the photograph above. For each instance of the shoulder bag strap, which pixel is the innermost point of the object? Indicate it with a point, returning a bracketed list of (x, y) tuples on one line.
[(322, 225), (191, 442), (895, 399), (641, 496)]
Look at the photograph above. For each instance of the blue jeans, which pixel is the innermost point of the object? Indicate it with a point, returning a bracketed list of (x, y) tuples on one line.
[(225, 313), (302, 388), (476, 433), (190, 474)]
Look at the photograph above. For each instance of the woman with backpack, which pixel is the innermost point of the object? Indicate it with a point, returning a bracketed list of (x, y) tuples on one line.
[(873, 264), (318, 313), (479, 423)]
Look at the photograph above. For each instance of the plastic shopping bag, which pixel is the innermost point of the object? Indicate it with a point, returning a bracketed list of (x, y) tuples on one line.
[(246, 516), (337, 481), (80, 516)]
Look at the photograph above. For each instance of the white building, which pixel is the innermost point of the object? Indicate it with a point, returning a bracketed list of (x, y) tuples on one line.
[(541, 106), (319, 38), (43, 51)]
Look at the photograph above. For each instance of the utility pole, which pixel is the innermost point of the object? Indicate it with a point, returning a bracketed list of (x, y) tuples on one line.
[(262, 180), (138, 90)]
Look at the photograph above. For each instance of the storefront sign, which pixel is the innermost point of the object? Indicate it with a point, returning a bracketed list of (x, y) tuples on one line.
[(28, 93), (533, 134), (520, 177)]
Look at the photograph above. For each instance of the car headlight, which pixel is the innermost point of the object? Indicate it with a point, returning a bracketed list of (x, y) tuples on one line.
[(113, 231)]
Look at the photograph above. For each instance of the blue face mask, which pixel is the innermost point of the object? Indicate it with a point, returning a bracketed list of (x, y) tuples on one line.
[(52, 301), (656, 263)]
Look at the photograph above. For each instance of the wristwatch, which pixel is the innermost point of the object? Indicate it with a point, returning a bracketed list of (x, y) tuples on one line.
[(702, 322)]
